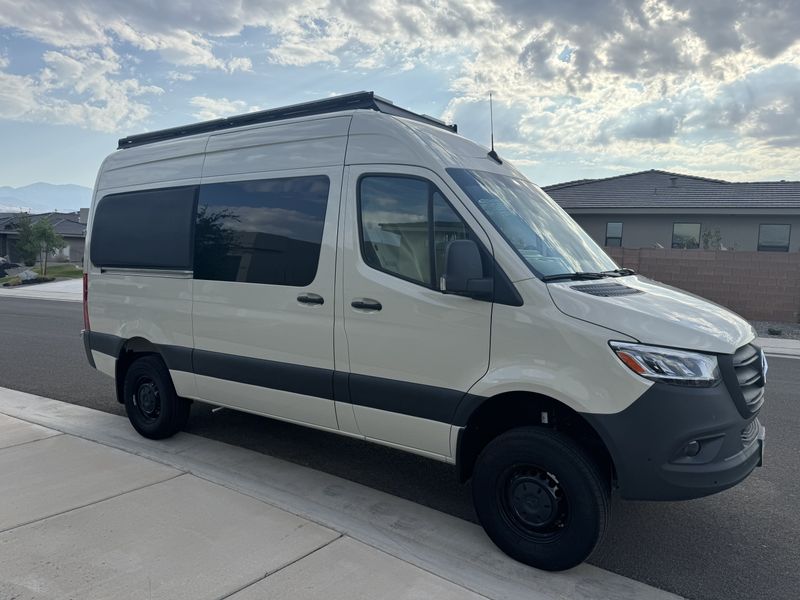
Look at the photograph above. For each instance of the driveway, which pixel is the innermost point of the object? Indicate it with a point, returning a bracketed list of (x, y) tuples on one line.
[(69, 290)]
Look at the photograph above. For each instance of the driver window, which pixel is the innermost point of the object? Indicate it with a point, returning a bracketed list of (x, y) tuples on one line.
[(406, 225), (394, 219)]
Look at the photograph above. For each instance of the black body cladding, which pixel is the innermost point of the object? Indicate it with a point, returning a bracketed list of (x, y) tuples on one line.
[(413, 399), (646, 440)]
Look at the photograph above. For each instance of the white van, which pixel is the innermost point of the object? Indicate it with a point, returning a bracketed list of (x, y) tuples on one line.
[(355, 267)]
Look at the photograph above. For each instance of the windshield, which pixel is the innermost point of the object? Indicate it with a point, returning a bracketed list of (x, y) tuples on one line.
[(539, 230)]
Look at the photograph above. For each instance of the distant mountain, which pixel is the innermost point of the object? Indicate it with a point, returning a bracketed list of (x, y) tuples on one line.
[(45, 197), (7, 208)]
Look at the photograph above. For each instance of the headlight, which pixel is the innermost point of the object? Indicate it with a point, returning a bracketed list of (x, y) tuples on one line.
[(677, 367)]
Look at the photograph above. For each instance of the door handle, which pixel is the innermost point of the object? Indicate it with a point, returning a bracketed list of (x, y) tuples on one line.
[(311, 299), (366, 304)]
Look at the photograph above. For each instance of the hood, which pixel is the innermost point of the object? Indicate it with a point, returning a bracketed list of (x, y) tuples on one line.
[(653, 313)]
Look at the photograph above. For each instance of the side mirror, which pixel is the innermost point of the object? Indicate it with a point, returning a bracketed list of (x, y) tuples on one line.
[(463, 271)]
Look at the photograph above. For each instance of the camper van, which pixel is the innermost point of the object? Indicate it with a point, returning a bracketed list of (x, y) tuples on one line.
[(355, 267)]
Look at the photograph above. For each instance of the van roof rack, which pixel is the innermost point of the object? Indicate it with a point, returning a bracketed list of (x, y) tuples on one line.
[(357, 100)]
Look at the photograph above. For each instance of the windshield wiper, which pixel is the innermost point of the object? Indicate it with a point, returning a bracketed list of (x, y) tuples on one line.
[(620, 272), (579, 275)]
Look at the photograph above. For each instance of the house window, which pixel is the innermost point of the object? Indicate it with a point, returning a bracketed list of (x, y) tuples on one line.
[(774, 238), (686, 235), (613, 234)]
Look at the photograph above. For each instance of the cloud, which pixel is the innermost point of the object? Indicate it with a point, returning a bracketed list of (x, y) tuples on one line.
[(239, 64), (622, 36), (214, 108), (769, 26), (656, 125), (76, 87), (300, 54), (180, 32), (610, 82), (764, 105), (17, 96), (179, 76)]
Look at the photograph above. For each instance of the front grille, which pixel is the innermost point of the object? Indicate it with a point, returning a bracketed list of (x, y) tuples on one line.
[(750, 433), (749, 372)]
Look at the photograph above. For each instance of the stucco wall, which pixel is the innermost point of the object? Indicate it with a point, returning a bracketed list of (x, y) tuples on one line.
[(76, 247), (644, 231)]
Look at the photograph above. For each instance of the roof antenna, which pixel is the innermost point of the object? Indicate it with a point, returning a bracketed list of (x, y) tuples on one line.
[(492, 153)]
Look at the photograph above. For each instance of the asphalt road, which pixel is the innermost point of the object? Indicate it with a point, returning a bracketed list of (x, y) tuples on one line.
[(742, 543)]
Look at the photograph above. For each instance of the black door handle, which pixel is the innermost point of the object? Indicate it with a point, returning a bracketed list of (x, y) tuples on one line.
[(311, 299), (366, 304)]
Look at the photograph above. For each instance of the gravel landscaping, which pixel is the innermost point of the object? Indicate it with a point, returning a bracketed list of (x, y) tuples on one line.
[(769, 329)]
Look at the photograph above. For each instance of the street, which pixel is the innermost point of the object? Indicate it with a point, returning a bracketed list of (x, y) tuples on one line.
[(738, 544)]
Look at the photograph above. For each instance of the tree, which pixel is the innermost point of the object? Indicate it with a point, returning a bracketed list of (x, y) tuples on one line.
[(27, 245), (48, 241)]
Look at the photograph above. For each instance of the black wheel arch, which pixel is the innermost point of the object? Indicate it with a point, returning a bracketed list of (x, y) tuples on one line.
[(495, 415)]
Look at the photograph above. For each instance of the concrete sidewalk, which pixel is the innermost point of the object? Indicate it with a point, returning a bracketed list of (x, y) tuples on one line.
[(779, 347), (91, 510), (69, 290)]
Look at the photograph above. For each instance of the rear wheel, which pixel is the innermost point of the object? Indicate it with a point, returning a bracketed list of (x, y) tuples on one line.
[(540, 498), (153, 407)]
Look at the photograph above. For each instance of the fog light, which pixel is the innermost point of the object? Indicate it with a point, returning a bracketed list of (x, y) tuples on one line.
[(692, 448)]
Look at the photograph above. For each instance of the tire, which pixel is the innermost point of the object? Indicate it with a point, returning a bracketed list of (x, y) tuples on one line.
[(540, 498), (153, 407)]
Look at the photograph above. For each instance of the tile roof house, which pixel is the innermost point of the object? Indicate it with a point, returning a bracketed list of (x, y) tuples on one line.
[(662, 209), (67, 225)]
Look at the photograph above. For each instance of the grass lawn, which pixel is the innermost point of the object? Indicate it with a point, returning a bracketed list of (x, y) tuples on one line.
[(54, 270), (62, 270)]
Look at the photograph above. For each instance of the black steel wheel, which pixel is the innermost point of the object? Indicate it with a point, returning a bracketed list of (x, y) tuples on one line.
[(541, 498), (153, 407), (146, 399), (532, 502)]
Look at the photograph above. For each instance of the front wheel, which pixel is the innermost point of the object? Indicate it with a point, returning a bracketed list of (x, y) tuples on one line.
[(540, 498), (153, 407)]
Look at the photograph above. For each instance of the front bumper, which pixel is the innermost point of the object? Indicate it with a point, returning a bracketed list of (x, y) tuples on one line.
[(652, 443)]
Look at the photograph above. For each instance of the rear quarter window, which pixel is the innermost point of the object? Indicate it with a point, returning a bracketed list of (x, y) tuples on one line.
[(147, 229), (266, 231)]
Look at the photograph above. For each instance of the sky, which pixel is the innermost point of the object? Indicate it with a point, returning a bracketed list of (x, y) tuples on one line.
[(582, 88)]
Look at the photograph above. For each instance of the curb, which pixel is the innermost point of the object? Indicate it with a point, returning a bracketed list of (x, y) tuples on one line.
[(779, 347), (443, 545)]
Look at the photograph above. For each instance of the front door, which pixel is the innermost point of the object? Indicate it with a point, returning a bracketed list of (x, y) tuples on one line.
[(265, 252), (412, 351)]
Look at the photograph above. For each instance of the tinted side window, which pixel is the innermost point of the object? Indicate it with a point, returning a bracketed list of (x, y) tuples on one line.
[(406, 224), (263, 231), (149, 229), (394, 226)]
